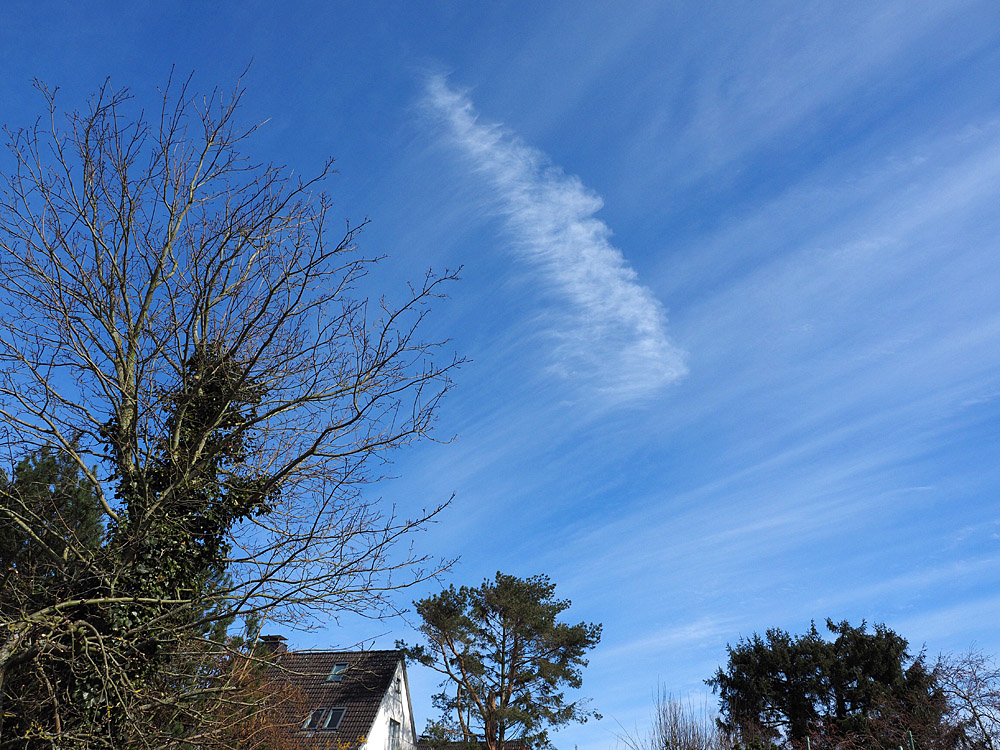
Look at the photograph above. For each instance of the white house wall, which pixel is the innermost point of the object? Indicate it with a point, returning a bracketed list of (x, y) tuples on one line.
[(394, 706)]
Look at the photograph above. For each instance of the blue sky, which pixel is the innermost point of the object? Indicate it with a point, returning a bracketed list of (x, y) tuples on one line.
[(731, 291)]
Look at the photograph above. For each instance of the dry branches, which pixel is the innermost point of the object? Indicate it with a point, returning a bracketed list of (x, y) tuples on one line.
[(176, 324)]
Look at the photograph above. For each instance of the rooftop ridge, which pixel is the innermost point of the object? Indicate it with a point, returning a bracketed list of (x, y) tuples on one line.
[(340, 651)]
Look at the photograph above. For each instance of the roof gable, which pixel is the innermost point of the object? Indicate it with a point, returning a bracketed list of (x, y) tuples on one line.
[(359, 689)]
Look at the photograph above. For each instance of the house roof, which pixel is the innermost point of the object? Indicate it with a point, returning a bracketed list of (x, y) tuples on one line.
[(359, 691)]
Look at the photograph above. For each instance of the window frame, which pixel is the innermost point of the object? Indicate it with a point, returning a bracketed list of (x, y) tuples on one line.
[(395, 734), (329, 714), (337, 673), (319, 719), (314, 719)]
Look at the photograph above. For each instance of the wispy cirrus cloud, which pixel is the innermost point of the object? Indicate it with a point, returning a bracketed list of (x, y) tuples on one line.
[(611, 331)]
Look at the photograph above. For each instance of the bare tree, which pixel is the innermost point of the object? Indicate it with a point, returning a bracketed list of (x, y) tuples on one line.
[(678, 725), (971, 682), (176, 323)]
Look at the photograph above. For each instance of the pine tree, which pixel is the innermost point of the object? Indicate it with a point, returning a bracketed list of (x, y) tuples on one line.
[(505, 659)]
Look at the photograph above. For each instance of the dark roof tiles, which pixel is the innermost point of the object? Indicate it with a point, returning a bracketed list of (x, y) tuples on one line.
[(360, 690)]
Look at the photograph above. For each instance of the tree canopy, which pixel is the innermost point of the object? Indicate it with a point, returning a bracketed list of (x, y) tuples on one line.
[(192, 401), (505, 660), (860, 688)]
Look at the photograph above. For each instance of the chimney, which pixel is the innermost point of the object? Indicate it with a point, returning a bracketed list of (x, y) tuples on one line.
[(274, 643)]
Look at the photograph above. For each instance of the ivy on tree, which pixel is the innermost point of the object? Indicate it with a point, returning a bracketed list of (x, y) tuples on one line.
[(505, 659), (136, 581), (183, 357)]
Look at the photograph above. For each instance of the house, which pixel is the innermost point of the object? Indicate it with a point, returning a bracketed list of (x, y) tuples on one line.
[(348, 699)]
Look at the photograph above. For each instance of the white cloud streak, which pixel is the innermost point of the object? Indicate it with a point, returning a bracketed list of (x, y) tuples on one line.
[(612, 333)]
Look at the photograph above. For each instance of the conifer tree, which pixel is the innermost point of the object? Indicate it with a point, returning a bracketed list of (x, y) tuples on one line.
[(505, 660)]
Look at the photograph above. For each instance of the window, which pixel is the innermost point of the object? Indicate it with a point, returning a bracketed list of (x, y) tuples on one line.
[(333, 718), (314, 718), (398, 689), (394, 734), (337, 673), (324, 718)]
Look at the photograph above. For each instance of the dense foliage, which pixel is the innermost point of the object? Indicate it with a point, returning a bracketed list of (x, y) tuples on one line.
[(505, 659), (862, 688), (50, 533), (133, 583)]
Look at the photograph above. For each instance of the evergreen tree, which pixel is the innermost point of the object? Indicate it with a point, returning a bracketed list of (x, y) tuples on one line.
[(50, 521), (505, 659), (152, 582), (50, 532), (860, 689)]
